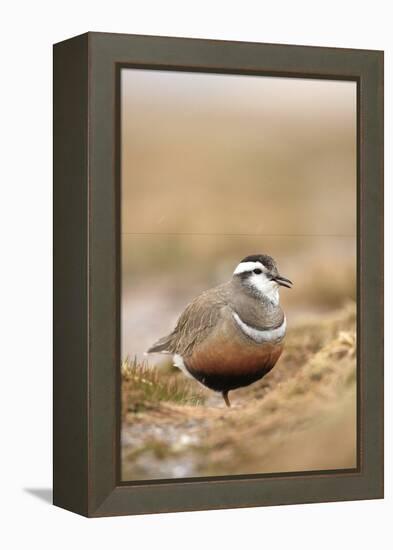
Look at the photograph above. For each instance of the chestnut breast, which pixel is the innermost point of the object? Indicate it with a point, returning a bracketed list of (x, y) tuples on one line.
[(229, 352)]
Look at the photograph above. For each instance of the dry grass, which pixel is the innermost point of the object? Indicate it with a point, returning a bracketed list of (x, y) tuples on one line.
[(302, 416), (144, 387)]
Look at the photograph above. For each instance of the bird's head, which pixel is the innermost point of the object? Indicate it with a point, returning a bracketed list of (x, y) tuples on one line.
[(259, 274)]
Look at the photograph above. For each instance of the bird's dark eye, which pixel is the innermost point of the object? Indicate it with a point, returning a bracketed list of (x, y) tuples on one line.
[(257, 271)]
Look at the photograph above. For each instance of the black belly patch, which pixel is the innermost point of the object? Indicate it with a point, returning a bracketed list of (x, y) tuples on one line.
[(227, 382)]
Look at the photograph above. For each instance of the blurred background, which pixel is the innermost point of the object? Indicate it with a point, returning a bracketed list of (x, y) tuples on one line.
[(217, 167)]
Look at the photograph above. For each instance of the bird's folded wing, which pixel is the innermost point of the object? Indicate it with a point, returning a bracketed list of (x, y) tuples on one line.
[(194, 324)]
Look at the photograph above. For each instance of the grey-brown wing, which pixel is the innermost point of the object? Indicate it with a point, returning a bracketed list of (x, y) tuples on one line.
[(194, 324)]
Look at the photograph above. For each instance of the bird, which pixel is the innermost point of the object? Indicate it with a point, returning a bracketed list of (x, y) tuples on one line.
[(231, 335)]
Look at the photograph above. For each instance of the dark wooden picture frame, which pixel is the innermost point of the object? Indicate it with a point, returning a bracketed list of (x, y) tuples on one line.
[(87, 274)]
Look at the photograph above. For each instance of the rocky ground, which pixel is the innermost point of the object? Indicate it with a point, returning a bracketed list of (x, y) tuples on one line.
[(301, 416)]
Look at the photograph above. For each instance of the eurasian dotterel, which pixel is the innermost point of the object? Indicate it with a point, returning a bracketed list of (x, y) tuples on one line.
[(231, 335)]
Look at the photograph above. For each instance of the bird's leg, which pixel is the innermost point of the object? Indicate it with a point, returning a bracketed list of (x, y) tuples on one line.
[(226, 399)]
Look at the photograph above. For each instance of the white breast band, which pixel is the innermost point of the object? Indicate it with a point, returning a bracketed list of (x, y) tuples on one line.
[(260, 336)]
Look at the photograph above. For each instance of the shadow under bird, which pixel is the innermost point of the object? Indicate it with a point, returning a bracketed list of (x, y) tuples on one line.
[(232, 335)]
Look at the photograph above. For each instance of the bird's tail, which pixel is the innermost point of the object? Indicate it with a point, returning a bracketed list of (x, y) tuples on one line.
[(161, 346)]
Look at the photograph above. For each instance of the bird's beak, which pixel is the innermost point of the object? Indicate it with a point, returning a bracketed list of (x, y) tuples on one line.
[(283, 281)]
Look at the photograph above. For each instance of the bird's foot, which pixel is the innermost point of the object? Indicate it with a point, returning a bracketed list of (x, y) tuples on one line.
[(226, 399)]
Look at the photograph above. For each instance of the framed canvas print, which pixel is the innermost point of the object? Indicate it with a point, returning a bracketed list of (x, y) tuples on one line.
[(218, 274)]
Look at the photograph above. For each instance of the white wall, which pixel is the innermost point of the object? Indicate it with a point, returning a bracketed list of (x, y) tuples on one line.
[(28, 30)]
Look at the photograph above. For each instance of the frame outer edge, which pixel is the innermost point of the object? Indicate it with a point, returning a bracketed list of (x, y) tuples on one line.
[(372, 222), (70, 271)]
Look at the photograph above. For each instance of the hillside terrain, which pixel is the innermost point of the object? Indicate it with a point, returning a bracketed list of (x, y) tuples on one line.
[(300, 417)]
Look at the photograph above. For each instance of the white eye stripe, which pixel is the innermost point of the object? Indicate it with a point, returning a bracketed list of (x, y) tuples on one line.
[(249, 266)]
